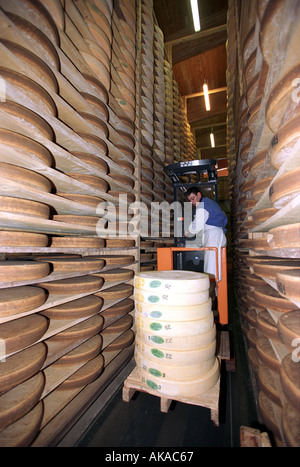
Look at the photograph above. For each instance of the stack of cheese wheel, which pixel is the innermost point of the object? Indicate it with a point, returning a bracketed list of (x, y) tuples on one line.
[(176, 335)]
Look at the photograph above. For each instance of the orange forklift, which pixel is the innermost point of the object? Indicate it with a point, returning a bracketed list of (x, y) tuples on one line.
[(201, 173)]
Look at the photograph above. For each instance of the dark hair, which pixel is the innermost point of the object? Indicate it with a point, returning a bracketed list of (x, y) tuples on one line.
[(193, 189)]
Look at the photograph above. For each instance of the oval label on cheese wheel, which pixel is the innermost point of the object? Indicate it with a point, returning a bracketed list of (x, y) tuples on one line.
[(155, 314), (156, 373), (153, 299), (155, 326), (157, 353), (157, 339), (152, 385), (155, 284)]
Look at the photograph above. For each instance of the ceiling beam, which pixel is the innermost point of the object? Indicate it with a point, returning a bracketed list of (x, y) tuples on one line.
[(197, 35)]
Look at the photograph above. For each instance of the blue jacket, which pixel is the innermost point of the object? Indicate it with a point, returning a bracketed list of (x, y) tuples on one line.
[(216, 216)]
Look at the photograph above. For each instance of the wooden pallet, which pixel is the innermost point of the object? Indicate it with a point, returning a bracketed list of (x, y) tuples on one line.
[(209, 399)]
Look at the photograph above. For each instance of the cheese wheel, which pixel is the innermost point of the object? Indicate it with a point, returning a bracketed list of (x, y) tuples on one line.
[(74, 285), (84, 330), (266, 353), (112, 260), (21, 366), (85, 375), (16, 300), (266, 325), (269, 298), (22, 432), (20, 333), (172, 281), (285, 188), (11, 271), (95, 182), (174, 313), (28, 118), (27, 178), (82, 353), (288, 326), (288, 284), (269, 382), (119, 243), (74, 264), (15, 403), (171, 299), (118, 291), (87, 200), (77, 242), (121, 342), (116, 275), (176, 357), (22, 145), (25, 239), (174, 329), (174, 373), (182, 388), (270, 268), (267, 410), (121, 325), (291, 426), (290, 378), (24, 206), (122, 307), (90, 221), (82, 308), (178, 343), (285, 236)]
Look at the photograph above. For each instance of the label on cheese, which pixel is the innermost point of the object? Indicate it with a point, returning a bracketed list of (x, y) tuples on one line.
[(182, 388), (167, 298), (178, 343), (171, 281), (178, 328), (174, 313), (176, 357), (176, 373)]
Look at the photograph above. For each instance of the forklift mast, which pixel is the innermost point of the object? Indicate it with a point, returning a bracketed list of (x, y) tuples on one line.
[(185, 174)]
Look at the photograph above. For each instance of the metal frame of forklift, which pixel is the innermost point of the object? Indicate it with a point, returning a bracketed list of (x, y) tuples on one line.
[(165, 256)]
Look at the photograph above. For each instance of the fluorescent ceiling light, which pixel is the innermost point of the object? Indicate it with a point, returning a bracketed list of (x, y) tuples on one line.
[(195, 13), (206, 97), (212, 140)]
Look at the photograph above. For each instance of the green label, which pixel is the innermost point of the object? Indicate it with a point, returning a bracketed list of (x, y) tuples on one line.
[(151, 384), (155, 326), (156, 373), (153, 299), (157, 353), (155, 314), (155, 284), (157, 339)]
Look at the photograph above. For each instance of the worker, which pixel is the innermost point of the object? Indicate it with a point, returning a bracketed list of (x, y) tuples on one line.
[(208, 225)]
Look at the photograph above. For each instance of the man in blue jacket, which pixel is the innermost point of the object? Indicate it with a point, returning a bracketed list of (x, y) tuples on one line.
[(208, 225)]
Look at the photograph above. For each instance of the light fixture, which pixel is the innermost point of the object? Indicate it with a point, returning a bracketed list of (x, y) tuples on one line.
[(195, 13), (206, 97), (212, 139)]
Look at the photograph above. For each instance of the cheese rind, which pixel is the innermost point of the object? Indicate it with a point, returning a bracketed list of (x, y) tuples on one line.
[(182, 388), (171, 281)]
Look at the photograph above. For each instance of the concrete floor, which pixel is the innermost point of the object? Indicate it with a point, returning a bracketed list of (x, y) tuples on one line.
[(140, 423)]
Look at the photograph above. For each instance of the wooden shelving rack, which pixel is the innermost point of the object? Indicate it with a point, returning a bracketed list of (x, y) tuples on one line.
[(264, 57)]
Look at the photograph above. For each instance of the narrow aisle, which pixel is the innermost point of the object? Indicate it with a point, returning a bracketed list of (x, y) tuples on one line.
[(140, 423)]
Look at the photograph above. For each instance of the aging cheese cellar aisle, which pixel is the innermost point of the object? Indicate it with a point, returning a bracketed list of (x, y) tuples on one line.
[(140, 423)]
